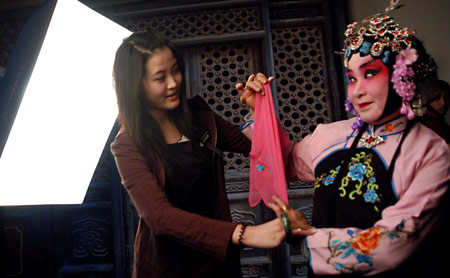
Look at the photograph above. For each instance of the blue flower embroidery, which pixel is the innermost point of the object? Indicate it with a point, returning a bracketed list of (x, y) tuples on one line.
[(370, 196), (350, 251), (364, 259), (400, 226), (392, 235), (328, 180), (372, 180), (357, 172), (365, 48), (260, 167), (386, 57)]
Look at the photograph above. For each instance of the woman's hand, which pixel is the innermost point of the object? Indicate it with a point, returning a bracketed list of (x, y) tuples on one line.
[(253, 86), (299, 224), (267, 235)]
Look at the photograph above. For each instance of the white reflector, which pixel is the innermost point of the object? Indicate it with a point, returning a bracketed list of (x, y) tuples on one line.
[(67, 111)]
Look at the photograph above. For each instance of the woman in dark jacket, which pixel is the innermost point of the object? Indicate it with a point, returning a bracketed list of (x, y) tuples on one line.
[(166, 155)]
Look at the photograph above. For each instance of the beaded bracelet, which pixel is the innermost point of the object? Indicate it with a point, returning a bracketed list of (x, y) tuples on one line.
[(248, 120), (241, 235), (245, 125), (249, 116)]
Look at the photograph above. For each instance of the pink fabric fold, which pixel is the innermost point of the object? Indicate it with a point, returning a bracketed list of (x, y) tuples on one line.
[(267, 177)]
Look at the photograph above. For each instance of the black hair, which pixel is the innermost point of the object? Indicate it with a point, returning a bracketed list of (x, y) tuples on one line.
[(128, 73)]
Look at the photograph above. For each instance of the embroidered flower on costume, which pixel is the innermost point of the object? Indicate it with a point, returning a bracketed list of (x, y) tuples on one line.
[(328, 180), (260, 167), (367, 240), (389, 127), (357, 172), (372, 180), (325, 178), (370, 196), (364, 259), (365, 48), (360, 245)]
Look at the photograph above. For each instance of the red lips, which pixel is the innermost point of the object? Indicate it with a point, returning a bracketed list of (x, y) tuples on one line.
[(364, 105)]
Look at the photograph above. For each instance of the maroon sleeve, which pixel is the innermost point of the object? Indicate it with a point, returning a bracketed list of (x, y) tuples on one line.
[(230, 138), (200, 233)]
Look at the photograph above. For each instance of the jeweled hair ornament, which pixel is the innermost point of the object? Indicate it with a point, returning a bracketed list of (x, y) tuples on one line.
[(381, 37), (378, 35)]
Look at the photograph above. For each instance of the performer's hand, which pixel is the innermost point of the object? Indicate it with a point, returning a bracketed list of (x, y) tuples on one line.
[(253, 86), (298, 222)]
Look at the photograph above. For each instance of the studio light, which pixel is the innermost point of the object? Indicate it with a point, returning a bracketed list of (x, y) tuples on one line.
[(66, 113)]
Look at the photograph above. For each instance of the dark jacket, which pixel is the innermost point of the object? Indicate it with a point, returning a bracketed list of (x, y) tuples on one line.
[(162, 227), (437, 123)]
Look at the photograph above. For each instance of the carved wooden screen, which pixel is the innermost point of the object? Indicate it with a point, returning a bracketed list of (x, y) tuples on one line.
[(214, 71), (223, 43), (303, 65)]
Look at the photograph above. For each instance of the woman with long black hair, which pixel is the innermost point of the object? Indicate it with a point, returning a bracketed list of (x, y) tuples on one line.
[(168, 156)]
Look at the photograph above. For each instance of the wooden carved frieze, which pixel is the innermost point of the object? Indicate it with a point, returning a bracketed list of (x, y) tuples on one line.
[(90, 238)]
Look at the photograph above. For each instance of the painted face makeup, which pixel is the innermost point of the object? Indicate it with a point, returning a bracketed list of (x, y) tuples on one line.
[(162, 81), (368, 87)]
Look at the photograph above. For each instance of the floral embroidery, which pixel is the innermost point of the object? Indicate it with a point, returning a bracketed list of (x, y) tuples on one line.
[(367, 240), (260, 167), (360, 245), (357, 172), (326, 180), (370, 196), (329, 180), (361, 173), (390, 127)]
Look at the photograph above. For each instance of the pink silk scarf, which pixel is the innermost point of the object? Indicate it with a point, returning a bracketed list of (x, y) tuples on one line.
[(267, 176)]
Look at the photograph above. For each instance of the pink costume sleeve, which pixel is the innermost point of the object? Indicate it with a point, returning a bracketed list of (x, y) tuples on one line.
[(267, 176), (421, 181)]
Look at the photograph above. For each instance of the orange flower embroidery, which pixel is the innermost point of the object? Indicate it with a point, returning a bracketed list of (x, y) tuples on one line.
[(389, 127), (368, 240)]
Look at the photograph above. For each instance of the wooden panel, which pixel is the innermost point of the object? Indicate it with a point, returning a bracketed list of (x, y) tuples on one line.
[(223, 42)]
